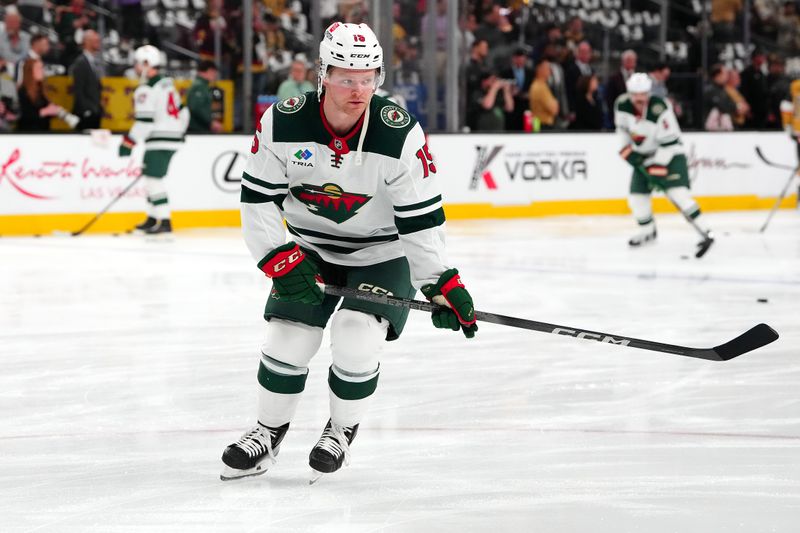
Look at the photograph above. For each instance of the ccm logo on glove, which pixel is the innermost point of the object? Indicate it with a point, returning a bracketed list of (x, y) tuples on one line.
[(283, 262)]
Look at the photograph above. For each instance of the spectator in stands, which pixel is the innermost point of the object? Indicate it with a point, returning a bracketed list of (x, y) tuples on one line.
[(788, 29), (723, 19), (777, 90), (14, 41), (9, 102), (544, 106), (491, 103), (86, 72), (39, 48), (297, 83), (278, 58), (521, 77), (659, 75), (207, 26), (551, 35), (588, 108), (554, 54), (496, 31), (616, 83), (70, 20), (742, 107), (575, 67), (719, 107), (441, 31), (754, 90), (574, 35), (477, 65), (199, 100), (35, 109)]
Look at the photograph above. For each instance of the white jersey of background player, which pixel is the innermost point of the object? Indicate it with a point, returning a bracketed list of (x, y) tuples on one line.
[(160, 123), (651, 143), (351, 175)]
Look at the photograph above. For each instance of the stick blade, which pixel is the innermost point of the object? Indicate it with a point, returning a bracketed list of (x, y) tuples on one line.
[(754, 338)]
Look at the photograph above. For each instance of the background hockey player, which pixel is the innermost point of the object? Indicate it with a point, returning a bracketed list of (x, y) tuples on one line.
[(160, 124), (352, 176), (790, 115), (651, 144)]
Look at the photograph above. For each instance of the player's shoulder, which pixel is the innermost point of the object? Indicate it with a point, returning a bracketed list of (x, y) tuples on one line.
[(624, 104), (293, 118), (390, 125), (656, 107)]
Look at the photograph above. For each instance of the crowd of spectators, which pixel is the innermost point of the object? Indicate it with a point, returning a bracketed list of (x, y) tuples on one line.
[(519, 73)]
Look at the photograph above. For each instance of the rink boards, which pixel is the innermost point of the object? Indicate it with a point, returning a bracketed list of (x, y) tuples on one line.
[(57, 182)]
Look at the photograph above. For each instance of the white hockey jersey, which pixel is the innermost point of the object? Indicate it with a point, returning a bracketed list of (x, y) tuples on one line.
[(300, 171), (654, 134), (160, 122)]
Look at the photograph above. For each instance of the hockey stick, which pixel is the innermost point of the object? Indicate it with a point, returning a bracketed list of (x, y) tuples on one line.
[(112, 202), (752, 339), (780, 199), (771, 163)]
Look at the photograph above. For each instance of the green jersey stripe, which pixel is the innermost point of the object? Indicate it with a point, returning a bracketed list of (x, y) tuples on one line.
[(671, 143), (143, 119), (355, 240), (162, 139), (280, 383), (349, 390), (249, 196), (420, 205), (420, 222), (262, 183)]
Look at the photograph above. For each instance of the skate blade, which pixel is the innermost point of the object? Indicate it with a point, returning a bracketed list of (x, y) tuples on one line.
[(316, 475), (229, 474)]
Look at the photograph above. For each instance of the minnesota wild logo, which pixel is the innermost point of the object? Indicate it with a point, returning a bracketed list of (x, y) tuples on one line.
[(291, 105), (330, 201), (395, 117)]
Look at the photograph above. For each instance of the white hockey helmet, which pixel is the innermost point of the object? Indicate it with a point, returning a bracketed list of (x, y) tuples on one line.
[(148, 54), (352, 46), (639, 82)]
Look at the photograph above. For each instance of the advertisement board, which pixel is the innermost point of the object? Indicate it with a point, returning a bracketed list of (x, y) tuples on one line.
[(57, 182)]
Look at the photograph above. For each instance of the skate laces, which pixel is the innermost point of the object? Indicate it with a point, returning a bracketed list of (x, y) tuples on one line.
[(257, 441), (334, 440)]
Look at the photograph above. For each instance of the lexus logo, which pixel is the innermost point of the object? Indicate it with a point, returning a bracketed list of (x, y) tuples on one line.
[(227, 171)]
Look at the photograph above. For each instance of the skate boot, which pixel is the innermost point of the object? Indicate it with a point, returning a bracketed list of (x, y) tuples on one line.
[(704, 245), (332, 450), (646, 235), (144, 226), (254, 453), (161, 226)]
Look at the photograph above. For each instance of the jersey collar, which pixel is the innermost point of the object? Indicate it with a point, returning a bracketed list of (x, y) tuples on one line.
[(339, 143)]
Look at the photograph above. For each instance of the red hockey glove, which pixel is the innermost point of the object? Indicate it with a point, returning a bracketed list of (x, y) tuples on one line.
[(459, 312), (293, 274)]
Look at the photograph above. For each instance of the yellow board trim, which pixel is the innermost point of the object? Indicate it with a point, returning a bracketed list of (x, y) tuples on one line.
[(120, 222)]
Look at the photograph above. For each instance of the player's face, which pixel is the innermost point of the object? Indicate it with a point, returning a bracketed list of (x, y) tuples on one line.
[(350, 90), (640, 99)]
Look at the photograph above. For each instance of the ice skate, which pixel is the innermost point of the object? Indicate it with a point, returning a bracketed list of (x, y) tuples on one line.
[(144, 226), (646, 235), (331, 451), (704, 245), (161, 226), (254, 453)]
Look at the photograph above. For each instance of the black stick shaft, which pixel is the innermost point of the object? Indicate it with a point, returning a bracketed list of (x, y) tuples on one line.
[(111, 203), (779, 200), (750, 340)]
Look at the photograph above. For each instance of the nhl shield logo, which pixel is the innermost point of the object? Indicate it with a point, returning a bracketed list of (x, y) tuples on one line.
[(395, 117), (338, 144), (292, 105)]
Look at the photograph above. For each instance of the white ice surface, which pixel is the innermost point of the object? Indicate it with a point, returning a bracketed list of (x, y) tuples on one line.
[(128, 364)]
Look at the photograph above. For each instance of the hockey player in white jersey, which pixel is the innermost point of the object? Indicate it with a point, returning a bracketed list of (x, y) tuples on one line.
[(651, 143), (160, 123), (351, 175)]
